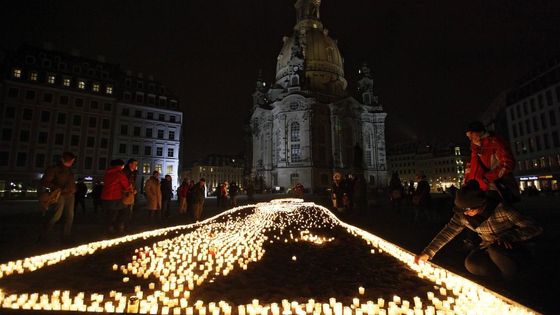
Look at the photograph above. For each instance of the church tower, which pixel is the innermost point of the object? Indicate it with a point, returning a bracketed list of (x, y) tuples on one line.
[(305, 126)]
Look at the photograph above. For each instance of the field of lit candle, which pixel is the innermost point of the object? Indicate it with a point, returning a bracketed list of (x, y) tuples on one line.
[(282, 257)]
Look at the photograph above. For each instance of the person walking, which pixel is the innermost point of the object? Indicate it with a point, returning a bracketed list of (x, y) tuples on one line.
[(182, 195), (199, 191), (492, 163), (166, 196), (61, 177), (80, 196), (152, 190), (507, 236), (116, 184)]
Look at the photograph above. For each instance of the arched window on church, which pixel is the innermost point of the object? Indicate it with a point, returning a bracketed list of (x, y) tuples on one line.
[(366, 98), (369, 150), (295, 80), (294, 132), (330, 54), (295, 154)]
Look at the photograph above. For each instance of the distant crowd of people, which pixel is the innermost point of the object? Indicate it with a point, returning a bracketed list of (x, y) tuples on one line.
[(116, 195)]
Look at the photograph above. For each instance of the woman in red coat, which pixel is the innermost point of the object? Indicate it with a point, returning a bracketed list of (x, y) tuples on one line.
[(116, 183)]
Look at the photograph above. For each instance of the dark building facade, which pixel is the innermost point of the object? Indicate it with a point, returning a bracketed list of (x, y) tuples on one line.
[(533, 116), (51, 102)]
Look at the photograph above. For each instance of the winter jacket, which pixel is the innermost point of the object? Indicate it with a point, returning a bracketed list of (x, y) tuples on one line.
[(166, 190), (153, 193), (115, 183), (490, 161), (182, 191), (503, 224), (59, 177), (198, 193)]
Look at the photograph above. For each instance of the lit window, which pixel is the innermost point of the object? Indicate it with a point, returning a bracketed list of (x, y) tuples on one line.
[(51, 78), (96, 87), (34, 76), (81, 85), (158, 168), (146, 168), (169, 169), (17, 73), (109, 90), (66, 82)]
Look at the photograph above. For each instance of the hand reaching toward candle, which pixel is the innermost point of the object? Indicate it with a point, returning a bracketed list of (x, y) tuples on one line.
[(505, 244), (421, 257)]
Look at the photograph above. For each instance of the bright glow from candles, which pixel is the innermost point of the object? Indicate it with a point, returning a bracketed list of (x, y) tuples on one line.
[(195, 254)]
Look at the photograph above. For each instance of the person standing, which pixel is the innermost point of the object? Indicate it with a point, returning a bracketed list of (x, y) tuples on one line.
[(152, 190), (339, 195), (182, 195), (80, 196), (190, 196), (396, 192), (116, 184), (96, 196), (507, 236), (421, 198), (61, 177), (130, 171), (199, 191), (166, 195), (233, 189), (492, 163)]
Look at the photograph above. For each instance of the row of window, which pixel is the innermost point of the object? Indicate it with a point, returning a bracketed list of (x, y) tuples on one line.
[(148, 132), (443, 170), (150, 99), (31, 95), (534, 124), (537, 143), (66, 81), (531, 106), (135, 150), (22, 160), (42, 137), (61, 118), (63, 66), (544, 162), (149, 115)]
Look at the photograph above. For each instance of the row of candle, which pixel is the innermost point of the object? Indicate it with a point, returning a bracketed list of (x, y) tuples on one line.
[(217, 248)]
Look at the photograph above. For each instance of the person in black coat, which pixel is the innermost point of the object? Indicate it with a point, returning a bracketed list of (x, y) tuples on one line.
[(166, 195)]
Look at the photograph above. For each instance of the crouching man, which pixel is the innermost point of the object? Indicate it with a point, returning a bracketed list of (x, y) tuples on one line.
[(506, 235)]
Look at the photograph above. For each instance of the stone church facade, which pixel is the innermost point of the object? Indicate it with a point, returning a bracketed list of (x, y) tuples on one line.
[(305, 127)]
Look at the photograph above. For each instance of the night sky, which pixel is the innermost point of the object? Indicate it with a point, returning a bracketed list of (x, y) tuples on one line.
[(437, 64)]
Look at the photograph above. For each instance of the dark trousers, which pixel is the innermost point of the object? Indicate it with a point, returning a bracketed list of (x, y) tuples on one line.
[(80, 201), (117, 215), (65, 205), (166, 208), (496, 260)]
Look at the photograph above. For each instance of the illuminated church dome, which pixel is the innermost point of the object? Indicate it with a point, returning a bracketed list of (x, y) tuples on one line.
[(309, 57)]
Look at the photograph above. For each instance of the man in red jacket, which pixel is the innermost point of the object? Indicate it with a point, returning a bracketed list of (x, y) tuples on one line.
[(116, 183), (491, 158)]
